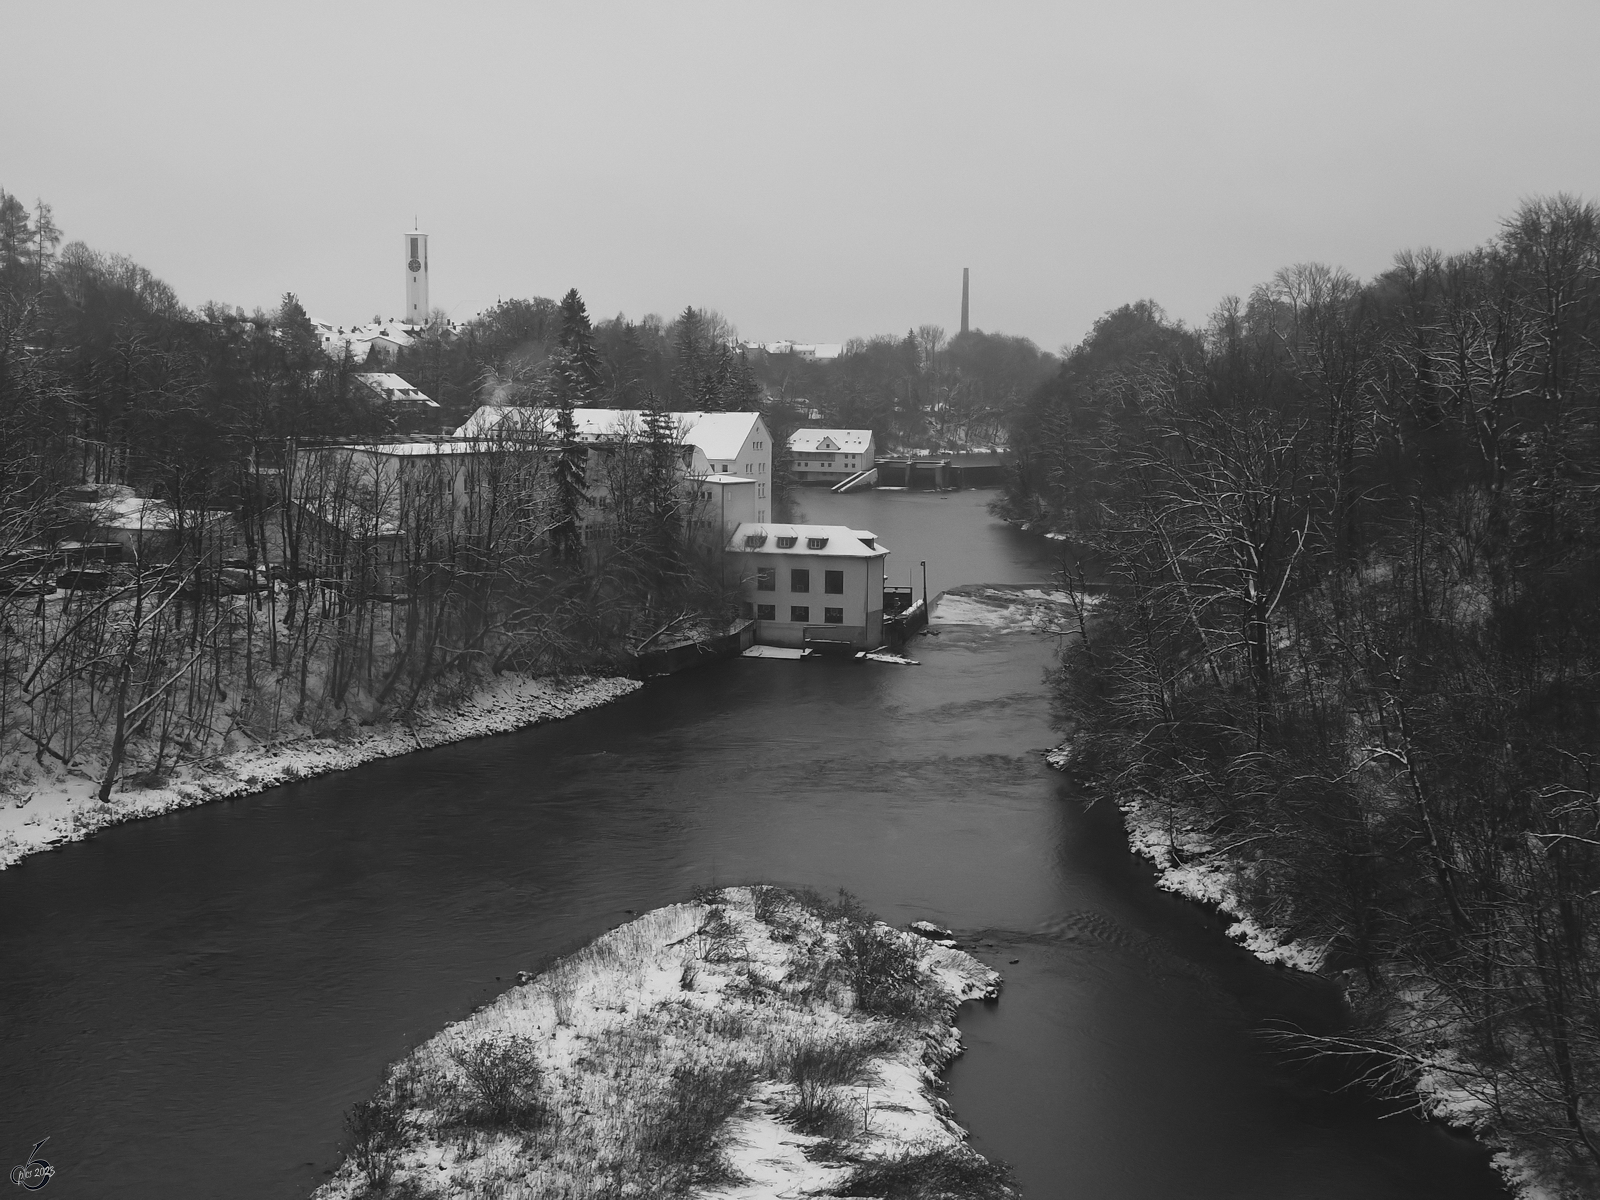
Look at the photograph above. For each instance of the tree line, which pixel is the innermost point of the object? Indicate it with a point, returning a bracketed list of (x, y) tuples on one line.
[(1351, 637), (200, 546)]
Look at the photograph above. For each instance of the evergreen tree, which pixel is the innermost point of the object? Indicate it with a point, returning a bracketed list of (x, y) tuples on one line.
[(583, 357), (567, 382), (688, 367), (16, 235), (662, 488)]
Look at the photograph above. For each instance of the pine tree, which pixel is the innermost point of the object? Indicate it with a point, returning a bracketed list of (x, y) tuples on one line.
[(16, 234), (567, 382), (689, 354), (577, 339), (661, 491)]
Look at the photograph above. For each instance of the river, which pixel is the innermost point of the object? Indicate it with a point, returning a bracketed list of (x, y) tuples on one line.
[(190, 1003)]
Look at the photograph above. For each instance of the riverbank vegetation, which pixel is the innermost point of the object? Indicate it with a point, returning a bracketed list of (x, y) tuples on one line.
[(753, 1042), (193, 561), (1353, 535)]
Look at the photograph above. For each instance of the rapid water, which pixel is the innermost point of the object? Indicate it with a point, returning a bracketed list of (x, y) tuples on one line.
[(189, 1004)]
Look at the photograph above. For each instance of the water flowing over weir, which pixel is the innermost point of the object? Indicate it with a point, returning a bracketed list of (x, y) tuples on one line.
[(188, 1004)]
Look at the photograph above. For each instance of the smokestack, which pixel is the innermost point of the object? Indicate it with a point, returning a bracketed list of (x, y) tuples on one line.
[(963, 299)]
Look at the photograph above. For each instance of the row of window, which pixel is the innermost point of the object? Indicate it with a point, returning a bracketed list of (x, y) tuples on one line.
[(799, 613), (799, 580)]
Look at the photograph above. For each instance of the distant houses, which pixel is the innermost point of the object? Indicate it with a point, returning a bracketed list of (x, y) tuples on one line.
[(805, 350), (829, 455)]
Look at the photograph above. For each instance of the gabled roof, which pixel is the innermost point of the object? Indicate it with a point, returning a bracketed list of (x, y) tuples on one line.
[(842, 541), (394, 387), (844, 441), (718, 435)]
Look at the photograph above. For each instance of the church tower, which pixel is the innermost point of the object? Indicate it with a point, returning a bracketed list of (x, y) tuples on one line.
[(416, 243)]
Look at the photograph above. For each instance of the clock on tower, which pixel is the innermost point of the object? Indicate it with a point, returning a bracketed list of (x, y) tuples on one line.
[(416, 250)]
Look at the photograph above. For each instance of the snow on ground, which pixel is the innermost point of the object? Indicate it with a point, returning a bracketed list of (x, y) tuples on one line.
[(54, 807), (1010, 609), (726, 988)]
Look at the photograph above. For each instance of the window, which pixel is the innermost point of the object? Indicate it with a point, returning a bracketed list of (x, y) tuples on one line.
[(833, 616), (833, 583), (786, 543), (766, 579), (766, 612), (755, 541), (799, 580), (761, 491), (816, 543), (762, 468), (800, 613)]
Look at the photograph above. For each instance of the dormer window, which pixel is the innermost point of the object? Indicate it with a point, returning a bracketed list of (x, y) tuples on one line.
[(870, 543), (787, 543), (816, 543), (754, 541)]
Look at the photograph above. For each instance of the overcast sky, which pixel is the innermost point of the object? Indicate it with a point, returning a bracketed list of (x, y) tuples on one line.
[(811, 171)]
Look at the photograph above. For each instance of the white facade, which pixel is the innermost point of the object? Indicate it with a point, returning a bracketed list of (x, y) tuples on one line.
[(416, 249), (806, 584), (829, 455), (729, 443)]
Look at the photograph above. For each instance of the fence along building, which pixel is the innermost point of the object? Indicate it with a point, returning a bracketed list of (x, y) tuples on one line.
[(810, 584)]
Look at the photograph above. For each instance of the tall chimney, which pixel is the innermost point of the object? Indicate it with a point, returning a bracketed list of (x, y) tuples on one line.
[(963, 299)]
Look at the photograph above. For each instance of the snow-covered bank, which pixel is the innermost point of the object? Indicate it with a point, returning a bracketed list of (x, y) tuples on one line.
[(753, 1043), (46, 807), (1189, 864)]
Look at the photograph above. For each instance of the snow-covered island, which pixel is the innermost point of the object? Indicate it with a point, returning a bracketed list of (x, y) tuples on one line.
[(756, 1042), (44, 805)]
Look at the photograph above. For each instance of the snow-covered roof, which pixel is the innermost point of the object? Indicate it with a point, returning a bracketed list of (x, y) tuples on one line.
[(394, 387), (727, 479), (825, 441), (839, 541), (719, 435), (143, 514)]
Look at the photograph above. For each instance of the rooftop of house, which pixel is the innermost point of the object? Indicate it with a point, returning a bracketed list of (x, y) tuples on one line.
[(836, 541), (394, 387), (718, 435), (823, 441)]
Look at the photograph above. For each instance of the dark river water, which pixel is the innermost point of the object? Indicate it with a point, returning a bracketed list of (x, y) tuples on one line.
[(190, 1003)]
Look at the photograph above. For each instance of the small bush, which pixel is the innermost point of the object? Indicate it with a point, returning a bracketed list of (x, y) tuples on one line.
[(768, 903), (688, 973), (817, 1070), (707, 894), (377, 1132), (948, 1173), (684, 1134), (882, 968), (501, 1077), (844, 907)]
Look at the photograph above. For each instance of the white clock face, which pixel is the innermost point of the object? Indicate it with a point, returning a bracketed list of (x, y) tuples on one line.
[(414, 265)]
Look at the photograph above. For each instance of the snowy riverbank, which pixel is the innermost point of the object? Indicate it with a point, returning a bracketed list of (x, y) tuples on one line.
[(1189, 864), (47, 806), (754, 1043)]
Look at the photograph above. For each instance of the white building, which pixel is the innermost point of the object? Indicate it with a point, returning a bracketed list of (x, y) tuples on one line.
[(829, 455), (810, 584), (725, 443), (806, 350)]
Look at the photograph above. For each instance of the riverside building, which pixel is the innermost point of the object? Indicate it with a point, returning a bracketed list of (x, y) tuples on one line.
[(810, 586)]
